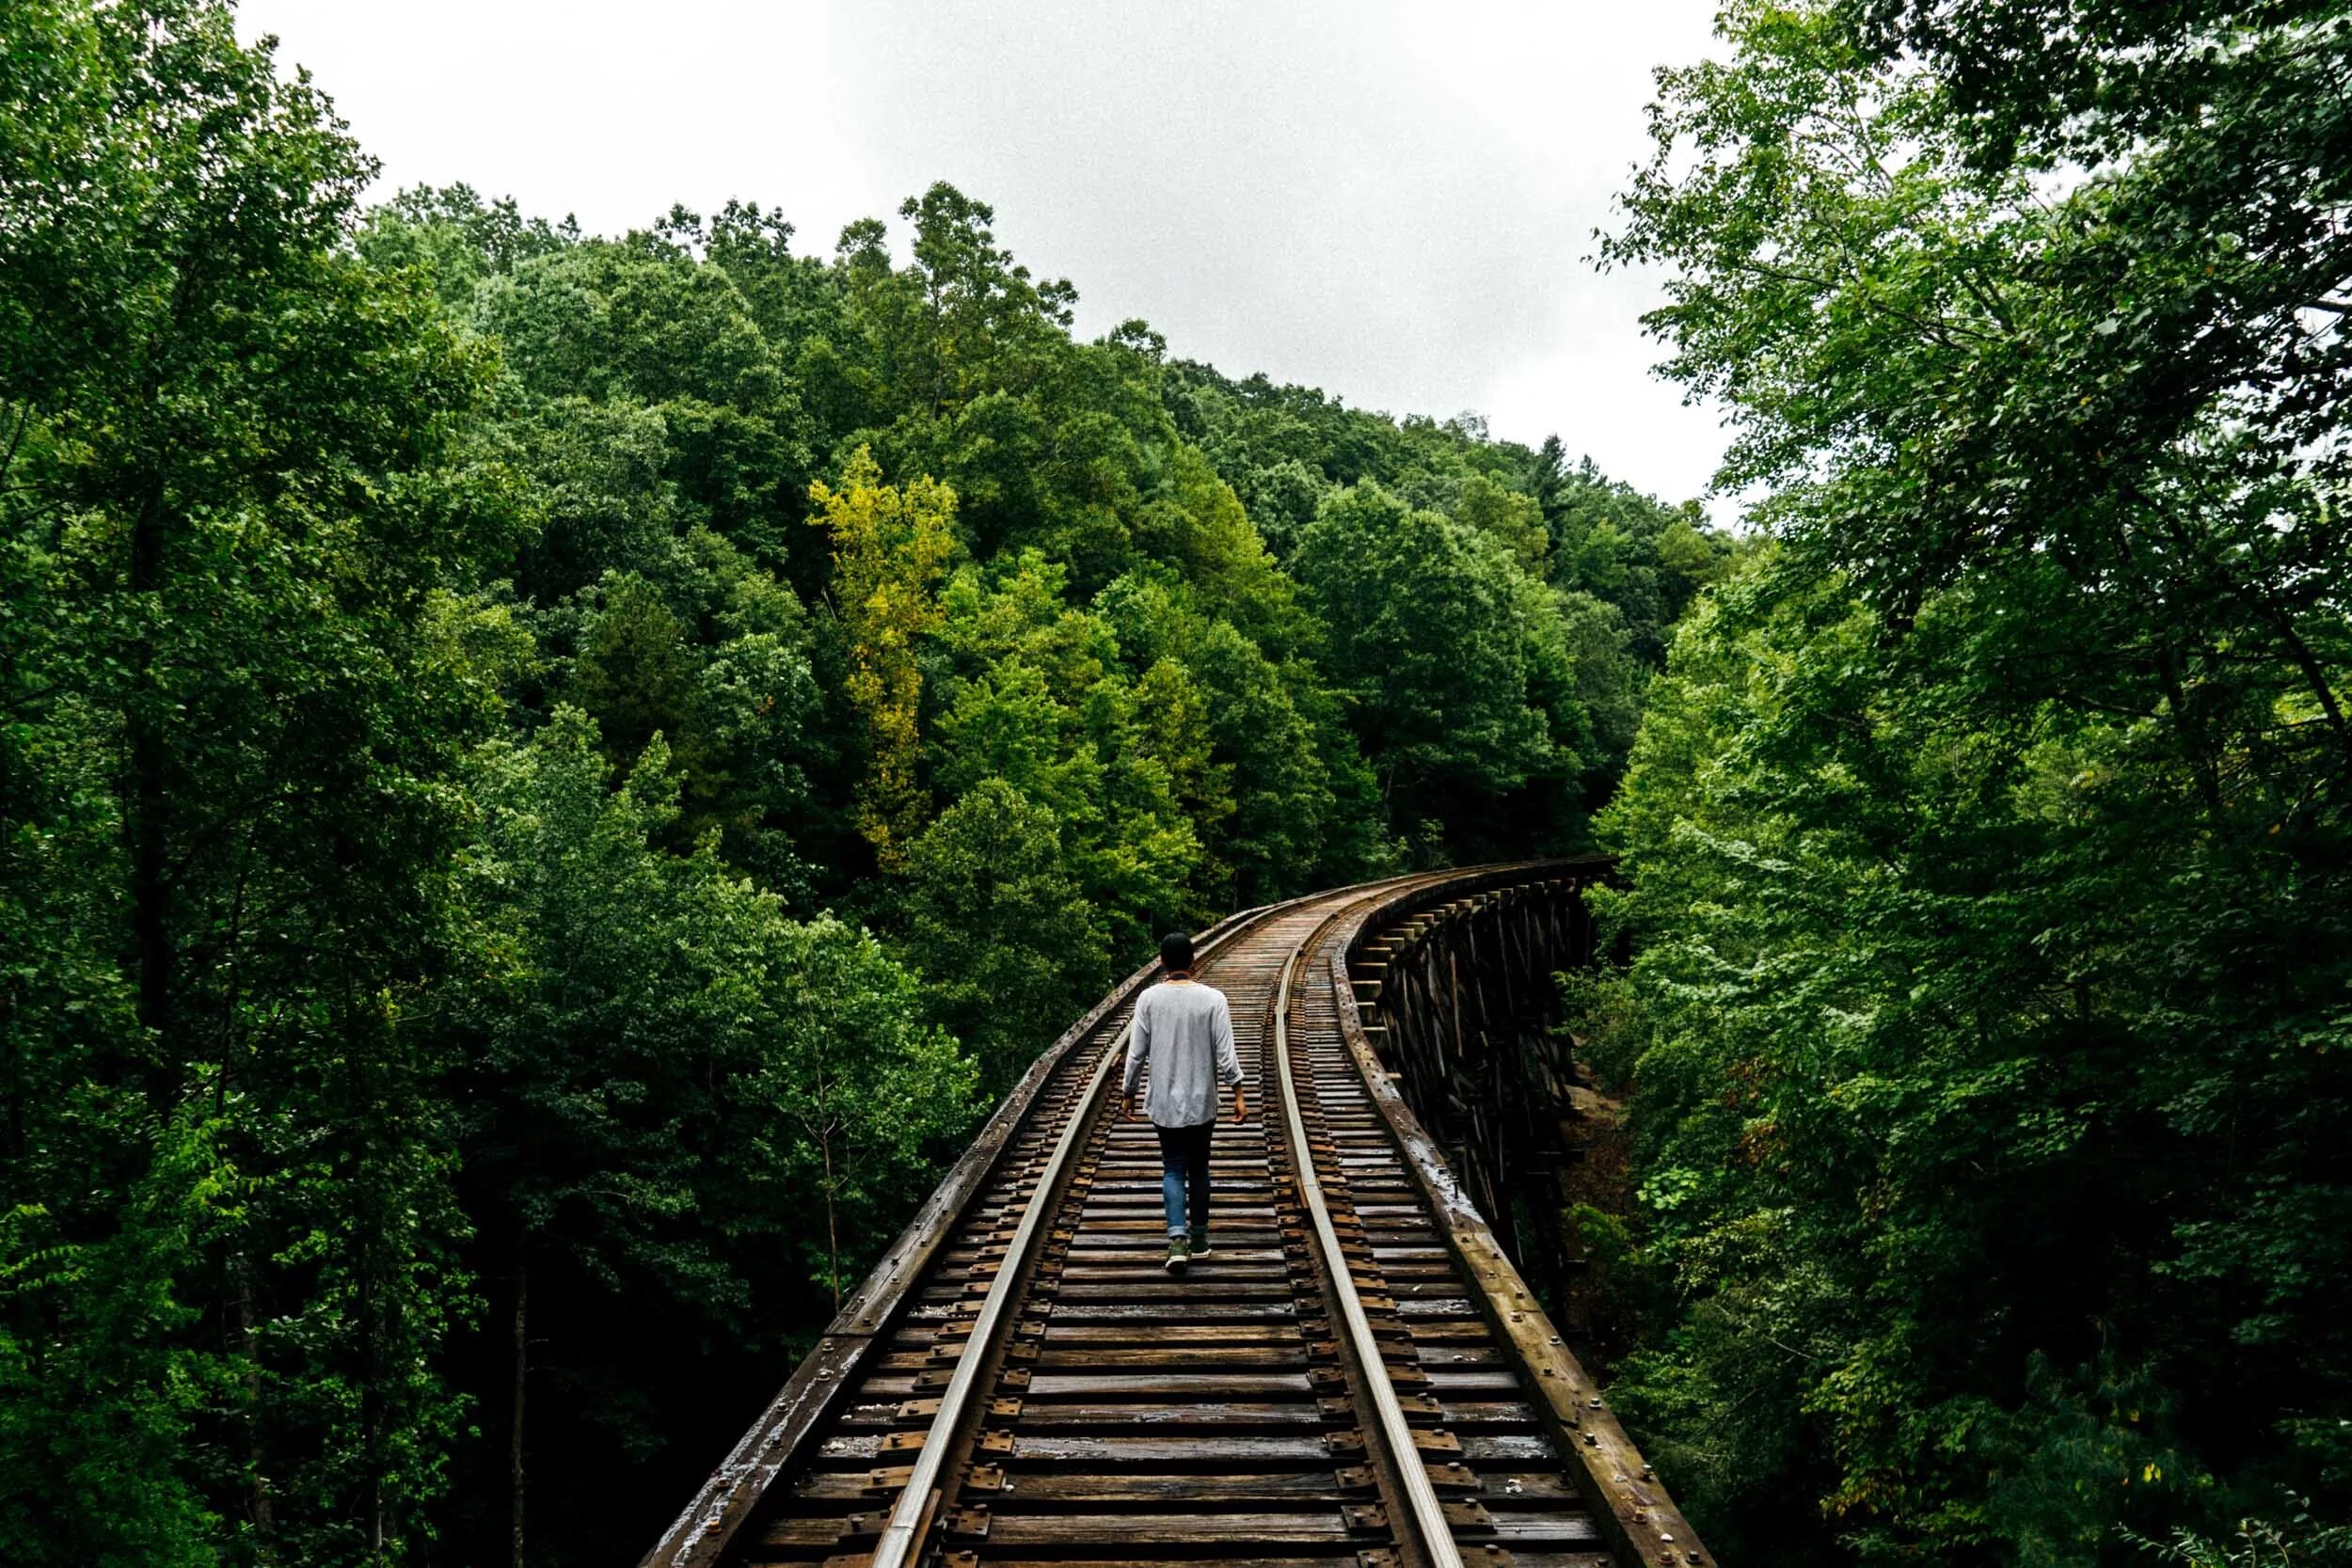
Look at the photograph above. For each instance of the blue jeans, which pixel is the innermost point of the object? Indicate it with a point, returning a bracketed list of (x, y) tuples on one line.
[(1184, 1176)]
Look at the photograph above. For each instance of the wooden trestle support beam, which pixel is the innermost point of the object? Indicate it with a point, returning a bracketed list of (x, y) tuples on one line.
[(1463, 1016)]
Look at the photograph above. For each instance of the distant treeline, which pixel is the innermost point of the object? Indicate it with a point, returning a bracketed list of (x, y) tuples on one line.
[(547, 781)]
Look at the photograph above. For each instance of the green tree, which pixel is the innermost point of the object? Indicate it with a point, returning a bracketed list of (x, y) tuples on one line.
[(731, 681), (889, 545), (1040, 698), (876, 1099), (456, 239), (239, 507), (1304, 809), (669, 1085), (640, 323), (1448, 654), (964, 320), (1987, 836), (1514, 520), (1010, 946)]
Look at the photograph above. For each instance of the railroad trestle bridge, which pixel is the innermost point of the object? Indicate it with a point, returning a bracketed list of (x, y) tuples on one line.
[(1358, 1376)]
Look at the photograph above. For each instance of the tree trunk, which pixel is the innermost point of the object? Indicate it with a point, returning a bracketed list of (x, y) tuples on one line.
[(522, 1378), (832, 1236), (150, 932), (257, 1498), (2184, 723), (371, 1414), (823, 1126)]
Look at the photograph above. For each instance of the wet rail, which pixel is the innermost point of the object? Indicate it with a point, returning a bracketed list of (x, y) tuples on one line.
[(1354, 1375)]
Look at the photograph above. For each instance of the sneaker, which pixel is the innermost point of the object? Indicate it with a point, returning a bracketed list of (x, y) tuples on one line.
[(1179, 1253), (1197, 1248)]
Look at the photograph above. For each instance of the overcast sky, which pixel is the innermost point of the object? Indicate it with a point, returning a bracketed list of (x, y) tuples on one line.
[(1392, 202)]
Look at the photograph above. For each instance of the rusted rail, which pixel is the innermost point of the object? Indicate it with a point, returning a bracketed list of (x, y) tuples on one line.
[(1354, 1376)]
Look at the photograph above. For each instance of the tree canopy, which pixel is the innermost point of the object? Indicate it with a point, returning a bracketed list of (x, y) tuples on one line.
[(1988, 835)]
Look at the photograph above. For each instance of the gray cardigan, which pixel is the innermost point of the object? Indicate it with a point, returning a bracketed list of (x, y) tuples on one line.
[(1186, 1031)]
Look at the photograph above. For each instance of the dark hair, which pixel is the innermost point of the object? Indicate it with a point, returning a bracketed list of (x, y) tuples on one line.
[(1175, 951)]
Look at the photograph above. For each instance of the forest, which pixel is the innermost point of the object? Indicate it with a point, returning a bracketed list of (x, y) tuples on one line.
[(549, 779), (1990, 1031)]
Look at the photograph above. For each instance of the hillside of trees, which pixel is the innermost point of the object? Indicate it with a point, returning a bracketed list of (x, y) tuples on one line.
[(548, 780), (1991, 865)]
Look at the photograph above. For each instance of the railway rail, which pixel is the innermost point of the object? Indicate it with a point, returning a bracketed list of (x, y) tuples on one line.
[(1356, 1376)]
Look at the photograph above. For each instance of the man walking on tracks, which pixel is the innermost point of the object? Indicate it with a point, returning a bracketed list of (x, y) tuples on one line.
[(1186, 1031)]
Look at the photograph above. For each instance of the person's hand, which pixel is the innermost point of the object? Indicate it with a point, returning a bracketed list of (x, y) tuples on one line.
[(1241, 1105), (1132, 1115)]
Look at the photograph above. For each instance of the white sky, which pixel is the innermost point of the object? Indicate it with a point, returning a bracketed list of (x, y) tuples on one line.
[(1392, 202)]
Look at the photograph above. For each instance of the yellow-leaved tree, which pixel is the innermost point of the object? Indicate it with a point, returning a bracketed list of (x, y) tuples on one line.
[(890, 545)]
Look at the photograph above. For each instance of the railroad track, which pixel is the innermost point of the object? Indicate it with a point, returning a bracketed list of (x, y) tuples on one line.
[(1354, 1376)]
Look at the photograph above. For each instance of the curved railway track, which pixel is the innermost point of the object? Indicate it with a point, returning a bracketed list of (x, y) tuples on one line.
[(1356, 1375)]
